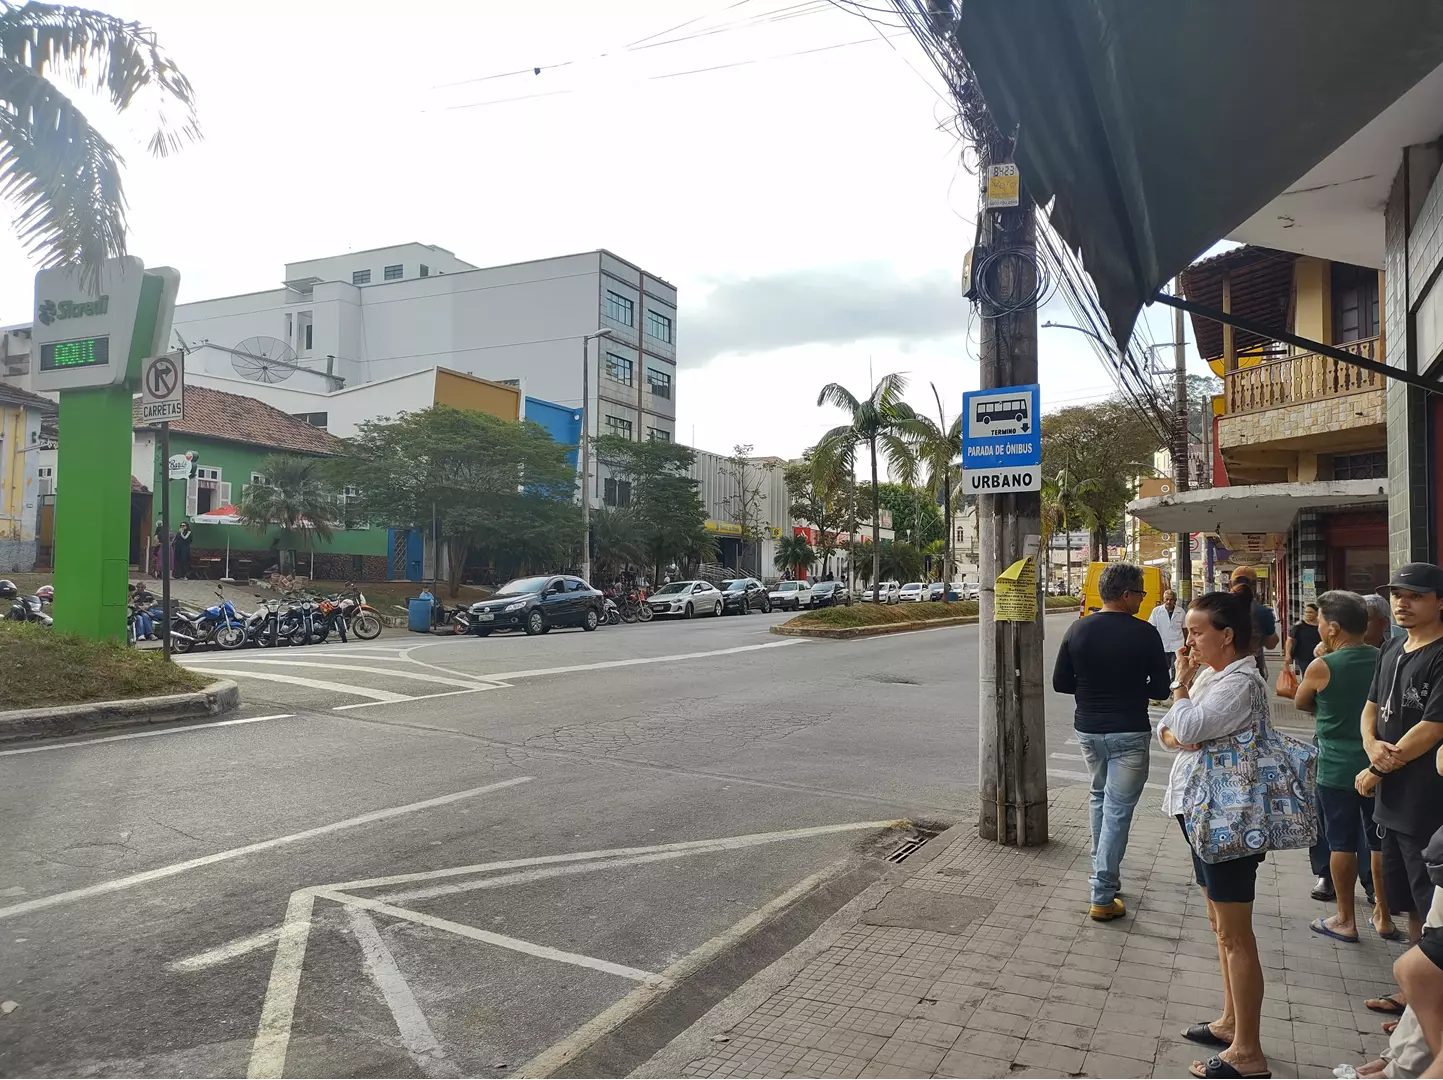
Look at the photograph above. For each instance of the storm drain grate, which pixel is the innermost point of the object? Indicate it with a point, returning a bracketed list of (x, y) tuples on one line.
[(906, 848)]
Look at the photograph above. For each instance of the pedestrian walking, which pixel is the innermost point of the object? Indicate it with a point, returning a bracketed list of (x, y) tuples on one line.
[(1219, 692), (1265, 623), (1113, 664), (1167, 620), (1335, 688), (1402, 730), (181, 548), (1303, 638)]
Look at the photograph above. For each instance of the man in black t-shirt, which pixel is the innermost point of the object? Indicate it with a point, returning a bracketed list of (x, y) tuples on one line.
[(1402, 730), (1114, 664)]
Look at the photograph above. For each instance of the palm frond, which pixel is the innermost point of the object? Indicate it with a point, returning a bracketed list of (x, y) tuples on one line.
[(838, 395), (889, 391)]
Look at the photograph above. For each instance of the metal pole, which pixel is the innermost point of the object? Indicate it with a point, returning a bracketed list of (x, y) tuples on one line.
[(1180, 446), (1013, 757), (585, 464), (164, 553)]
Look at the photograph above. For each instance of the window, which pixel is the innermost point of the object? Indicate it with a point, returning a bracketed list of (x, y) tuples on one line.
[(961, 534), (258, 478), (350, 517), (575, 584), (659, 382), (394, 273), (306, 344), (205, 491), (658, 326), (618, 368), (315, 419), (616, 492), (425, 270), (46, 475), (1355, 303), (617, 426), (1372, 466), (656, 434), (619, 308), (303, 330), (360, 277)]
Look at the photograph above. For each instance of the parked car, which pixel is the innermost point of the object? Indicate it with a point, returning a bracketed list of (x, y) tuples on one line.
[(914, 592), (936, 590), (686, 598), (791, 595), (830, 594), (536, 604), (884, 592), (742, 596), (971, 590)]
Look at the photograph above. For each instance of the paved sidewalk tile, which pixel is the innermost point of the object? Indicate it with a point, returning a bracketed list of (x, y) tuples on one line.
[(1032, 987)]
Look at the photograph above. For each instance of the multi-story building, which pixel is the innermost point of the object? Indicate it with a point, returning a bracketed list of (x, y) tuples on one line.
[(24, 478)]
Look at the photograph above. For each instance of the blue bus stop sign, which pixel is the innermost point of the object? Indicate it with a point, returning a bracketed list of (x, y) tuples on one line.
[(1002, 440)]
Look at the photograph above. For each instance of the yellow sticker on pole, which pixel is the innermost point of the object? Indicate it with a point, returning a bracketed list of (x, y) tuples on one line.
[(1016, 592), (1004, 185)]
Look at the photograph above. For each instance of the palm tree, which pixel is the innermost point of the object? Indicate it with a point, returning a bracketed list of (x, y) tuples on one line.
[(877, 421), (936, 445), (62, 174), (293, 497), (1063, 500), (794, 551)]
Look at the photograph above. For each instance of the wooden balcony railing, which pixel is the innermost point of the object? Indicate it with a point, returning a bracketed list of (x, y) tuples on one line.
[(1304, 377)]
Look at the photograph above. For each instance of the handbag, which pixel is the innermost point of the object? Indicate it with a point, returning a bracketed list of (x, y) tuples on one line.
[(1252, 792), (1287, 684), (1433, 859)]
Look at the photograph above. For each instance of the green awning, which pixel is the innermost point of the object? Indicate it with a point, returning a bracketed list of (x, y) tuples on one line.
[(1161, 125)]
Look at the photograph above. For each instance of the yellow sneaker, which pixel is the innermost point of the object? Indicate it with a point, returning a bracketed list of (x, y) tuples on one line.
[(1104, 912)]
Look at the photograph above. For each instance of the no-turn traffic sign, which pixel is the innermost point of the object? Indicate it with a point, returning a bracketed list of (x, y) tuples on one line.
[(162, 389)]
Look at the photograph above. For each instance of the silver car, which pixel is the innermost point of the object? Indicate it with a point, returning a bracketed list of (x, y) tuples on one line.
[(685, 599)]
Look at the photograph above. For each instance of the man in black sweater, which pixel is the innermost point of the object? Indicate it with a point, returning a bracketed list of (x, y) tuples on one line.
[(1113, 663)]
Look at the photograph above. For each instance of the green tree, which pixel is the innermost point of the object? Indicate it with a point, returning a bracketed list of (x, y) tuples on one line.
[(665, 501), (746, 497), (501, 489), (793, 552), (617, 542), (296, 498), (936, 445), (60, 173), (877, 422), (822, 500), (902, 503), (901, 561)]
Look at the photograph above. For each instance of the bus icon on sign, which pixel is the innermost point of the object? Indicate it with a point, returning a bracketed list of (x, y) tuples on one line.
[(1013, 409)]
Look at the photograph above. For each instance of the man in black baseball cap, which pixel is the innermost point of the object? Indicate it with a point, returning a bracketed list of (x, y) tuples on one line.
[(1402, 731)]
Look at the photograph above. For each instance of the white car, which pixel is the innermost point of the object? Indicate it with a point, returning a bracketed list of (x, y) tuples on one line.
[(882, 593), (791, 595), (971, 591), (914, 592), (685, 599)]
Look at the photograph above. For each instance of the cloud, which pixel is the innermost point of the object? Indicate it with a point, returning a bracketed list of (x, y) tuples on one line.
[(833, 306)]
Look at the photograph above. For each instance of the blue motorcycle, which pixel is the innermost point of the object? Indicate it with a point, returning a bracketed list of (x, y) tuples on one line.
[(220, 624)]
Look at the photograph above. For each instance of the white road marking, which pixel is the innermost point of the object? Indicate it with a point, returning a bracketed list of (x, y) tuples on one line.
[(116, 884), (146, 734), (229, 951), (273, 1035), (421, 697), (633, 662), (314, 684), (416, 1034), (1064, 774), (399, 673), (501, 941)]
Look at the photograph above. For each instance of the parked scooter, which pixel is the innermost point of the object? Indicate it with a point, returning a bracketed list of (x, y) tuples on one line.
[(23, 608), (612, 612)]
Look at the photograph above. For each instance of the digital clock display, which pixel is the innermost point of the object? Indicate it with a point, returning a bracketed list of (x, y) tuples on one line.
[(65, 355)]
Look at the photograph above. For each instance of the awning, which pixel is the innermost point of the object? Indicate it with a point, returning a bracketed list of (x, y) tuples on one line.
[(1160, 127), (1256, 508)]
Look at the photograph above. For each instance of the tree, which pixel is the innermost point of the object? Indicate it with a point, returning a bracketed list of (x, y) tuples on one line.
[(821, 500), (903, 504), (877, 422), (502, 489), (936, 445), (793, 552), (901, 561), (746, 481), (61, 173), (617, 542), (295, 498), (665, 501)]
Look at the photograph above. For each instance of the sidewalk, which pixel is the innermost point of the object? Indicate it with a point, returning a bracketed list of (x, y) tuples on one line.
[(983, 963)]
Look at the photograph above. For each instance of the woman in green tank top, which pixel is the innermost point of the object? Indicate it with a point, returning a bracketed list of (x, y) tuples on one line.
[(1335, 689)]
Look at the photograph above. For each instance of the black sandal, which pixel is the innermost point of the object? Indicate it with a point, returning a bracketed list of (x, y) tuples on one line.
[(1203, 1033), (1218, 1069)]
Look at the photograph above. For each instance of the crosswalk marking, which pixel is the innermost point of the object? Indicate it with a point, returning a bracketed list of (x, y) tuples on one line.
[(404, 673), (1086, 778), (314, 684)]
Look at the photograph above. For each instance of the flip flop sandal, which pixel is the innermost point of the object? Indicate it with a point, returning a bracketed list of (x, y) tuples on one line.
[(1203, 1033), (1387, 1004), (1318, 926), (1393, 935), (1218, 1069)]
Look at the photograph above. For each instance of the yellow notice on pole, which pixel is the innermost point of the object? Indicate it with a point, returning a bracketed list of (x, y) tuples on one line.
[(1004, 185), (1017, 592)]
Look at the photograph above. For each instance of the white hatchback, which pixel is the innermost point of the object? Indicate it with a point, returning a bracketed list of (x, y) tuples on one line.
[(914, 592)]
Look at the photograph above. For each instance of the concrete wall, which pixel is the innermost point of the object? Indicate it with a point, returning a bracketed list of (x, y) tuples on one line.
[(411, 257), (344, 409), (479, 395), (19, 485)]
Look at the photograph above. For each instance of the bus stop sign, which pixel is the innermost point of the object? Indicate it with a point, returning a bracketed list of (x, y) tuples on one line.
[(1002, 440)]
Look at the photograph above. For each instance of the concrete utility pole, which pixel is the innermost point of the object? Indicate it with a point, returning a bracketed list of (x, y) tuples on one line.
[(604, 332), (1180, 445), (1013, 762)]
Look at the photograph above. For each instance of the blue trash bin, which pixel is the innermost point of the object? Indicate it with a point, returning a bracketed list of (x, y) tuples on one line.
[(418, 609)]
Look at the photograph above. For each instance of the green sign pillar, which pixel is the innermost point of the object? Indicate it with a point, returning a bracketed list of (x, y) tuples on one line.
[(90, 343)]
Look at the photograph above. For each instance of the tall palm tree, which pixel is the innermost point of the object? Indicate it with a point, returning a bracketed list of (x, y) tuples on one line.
[(877, 422), (294, 497), (936, 445), (62, 175)]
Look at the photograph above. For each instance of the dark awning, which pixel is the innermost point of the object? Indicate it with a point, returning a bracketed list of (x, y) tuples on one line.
[(1160, 127)]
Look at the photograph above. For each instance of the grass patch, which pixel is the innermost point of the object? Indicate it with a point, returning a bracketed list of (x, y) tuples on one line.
[(1055, 603), (39, 667), (883, 614)]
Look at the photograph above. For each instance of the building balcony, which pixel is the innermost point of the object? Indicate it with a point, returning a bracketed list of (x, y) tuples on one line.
[(1304, 377)]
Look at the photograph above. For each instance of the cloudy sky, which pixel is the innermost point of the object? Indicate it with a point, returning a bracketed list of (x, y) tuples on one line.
[(783, 162)]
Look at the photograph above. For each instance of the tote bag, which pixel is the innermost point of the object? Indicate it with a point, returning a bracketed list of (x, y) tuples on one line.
[(1252, 792)]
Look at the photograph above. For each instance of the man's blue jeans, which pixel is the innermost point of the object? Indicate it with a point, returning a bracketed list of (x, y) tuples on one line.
[(1118, 762)]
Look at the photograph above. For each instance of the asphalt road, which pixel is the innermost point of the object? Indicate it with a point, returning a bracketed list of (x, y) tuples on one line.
[(444, 857)]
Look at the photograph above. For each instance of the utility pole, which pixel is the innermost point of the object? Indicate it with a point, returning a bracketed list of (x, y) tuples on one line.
[(1180, 461), (1013, 759), (604, 332)]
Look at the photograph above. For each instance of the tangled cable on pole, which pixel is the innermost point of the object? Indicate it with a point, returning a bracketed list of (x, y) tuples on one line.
[(999, 276)]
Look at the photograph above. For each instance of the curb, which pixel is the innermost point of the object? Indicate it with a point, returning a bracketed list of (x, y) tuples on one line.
[(18, 725), (845, 633)]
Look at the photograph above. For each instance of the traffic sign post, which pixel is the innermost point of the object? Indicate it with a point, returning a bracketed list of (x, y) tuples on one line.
[(162, 388), (1002, 440)]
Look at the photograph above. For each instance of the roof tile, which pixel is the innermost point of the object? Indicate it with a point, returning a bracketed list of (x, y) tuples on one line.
[(214, 414)]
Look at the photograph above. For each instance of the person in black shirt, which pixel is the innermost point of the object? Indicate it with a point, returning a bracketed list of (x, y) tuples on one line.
[(1113, 664), (1303, 639), (1402, 731)]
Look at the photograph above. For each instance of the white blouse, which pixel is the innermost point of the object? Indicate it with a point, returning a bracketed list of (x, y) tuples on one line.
[(1219, 703)]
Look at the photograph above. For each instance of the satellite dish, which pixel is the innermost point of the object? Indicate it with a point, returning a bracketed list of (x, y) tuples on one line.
[(263, 359)]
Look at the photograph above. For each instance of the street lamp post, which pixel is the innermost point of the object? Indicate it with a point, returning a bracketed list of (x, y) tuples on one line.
[(604, 332)]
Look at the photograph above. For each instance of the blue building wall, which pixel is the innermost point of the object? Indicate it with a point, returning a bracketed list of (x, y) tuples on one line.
[(563, 423)]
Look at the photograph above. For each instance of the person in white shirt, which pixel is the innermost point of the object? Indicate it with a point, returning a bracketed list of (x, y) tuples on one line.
[(1167, 620)]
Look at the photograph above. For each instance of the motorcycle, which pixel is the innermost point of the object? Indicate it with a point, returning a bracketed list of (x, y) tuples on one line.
[(22, 608), (613, 614), (364, 620), (329, 617), (220, 624)]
